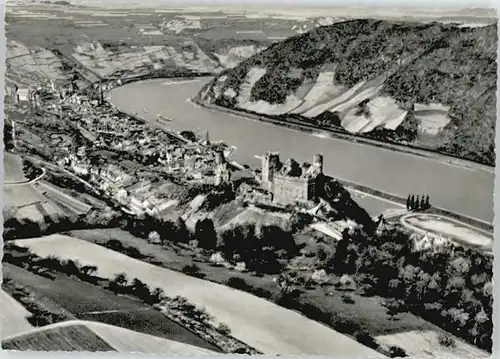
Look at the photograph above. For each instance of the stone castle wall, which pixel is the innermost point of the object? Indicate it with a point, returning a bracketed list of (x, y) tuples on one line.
[(290, 189)]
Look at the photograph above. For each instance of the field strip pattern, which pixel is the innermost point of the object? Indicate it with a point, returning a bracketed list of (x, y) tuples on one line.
[(87, 335), (257, 322), (13, 316)]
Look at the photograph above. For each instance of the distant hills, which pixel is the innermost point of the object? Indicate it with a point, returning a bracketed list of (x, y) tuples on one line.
[(430, 85)]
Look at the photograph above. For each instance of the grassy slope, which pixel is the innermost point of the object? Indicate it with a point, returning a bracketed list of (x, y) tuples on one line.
[(369, 313), (130, 313), (13, 316), (440, 63), (261, 324)]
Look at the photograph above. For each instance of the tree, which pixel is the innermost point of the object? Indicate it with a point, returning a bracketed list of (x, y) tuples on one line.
[(408, 202), (286, 282), (417, 203), (153, 237), (341, 253), (118, 284), (140, 289), (89, 270), (427, 203), (167, 230), (205, 234), (121, 279), (182, 234), (412, 202), (157, 295)]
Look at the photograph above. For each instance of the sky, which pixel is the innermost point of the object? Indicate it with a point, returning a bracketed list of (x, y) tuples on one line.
[(455, 4)]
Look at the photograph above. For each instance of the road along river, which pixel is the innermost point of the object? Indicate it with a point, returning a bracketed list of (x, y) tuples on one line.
[(457, 189)]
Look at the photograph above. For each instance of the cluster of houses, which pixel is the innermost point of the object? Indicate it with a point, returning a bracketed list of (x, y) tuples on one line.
[(152, 152), (135, 191)]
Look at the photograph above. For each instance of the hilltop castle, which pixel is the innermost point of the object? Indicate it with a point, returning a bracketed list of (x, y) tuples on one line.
[(290, 181)]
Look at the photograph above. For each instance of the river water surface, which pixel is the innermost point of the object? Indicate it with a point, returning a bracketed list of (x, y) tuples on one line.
[(461, 190)]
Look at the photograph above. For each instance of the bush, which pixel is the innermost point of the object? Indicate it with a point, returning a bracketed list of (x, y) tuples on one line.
[(224, 329), (119, 283), (446, 340), (346, 326), (134, 253), (365, 338), (397, 352), (347, 299), (41, 317), (262, 293), (240, 350), (192, 270), (157, 295), (238, 283), (115, 245)]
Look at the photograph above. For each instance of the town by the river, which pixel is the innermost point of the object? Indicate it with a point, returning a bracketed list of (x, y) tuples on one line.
[(457, 189)]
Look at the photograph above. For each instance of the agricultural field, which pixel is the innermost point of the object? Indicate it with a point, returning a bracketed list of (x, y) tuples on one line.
[(368, 312), (96, 337), (89, 302), (259, 323), (34, 199), (58, 337), (13, 316), (13, 169), (110, 42)]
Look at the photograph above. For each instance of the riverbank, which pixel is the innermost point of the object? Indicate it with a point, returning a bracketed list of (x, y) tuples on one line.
[(359, 187), (302, 126), (435, 210)]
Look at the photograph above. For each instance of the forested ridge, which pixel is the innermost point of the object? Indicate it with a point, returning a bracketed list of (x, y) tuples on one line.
[(422, 63)]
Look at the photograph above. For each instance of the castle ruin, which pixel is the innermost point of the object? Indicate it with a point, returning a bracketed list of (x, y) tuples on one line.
[(291, 182)]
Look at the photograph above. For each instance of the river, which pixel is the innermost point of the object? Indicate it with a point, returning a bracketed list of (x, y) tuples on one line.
[(461, 190)]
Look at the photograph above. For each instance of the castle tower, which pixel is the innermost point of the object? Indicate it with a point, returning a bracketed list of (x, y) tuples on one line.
[(207, 138), (318, 162), (270, 164), (219, 157)]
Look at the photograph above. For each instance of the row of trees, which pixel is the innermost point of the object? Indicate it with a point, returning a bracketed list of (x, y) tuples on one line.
[(418, 203), (121, 284), (87, 273), (451, 288)]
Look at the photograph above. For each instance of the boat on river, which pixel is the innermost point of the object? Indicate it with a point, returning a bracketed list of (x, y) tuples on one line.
[(163, 119)]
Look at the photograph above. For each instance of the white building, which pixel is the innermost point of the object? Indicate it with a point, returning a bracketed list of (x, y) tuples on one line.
[(22, 94)]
